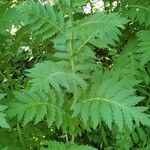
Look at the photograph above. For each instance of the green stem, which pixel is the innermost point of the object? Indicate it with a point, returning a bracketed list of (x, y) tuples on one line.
[(78, 50), (20, 136), (104, 135), (67, 138), (72, 60), (71, 56), (72, 139)]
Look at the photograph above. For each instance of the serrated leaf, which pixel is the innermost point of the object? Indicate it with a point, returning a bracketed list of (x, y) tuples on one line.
[(3, 122), (33, 106), (116, 101), (49, 73), (99, 30), (68, 146), (144, 46), (45, 25)]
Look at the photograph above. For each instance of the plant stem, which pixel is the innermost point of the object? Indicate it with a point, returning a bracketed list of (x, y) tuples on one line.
[(71, 55), (67, 138), (20, 136), (72, 40), (72, 139), (104, 135), (71, 47)]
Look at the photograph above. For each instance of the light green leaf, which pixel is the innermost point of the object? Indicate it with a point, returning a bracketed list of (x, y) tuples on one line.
[(3, 122), (49, 73), (114, 100), (97, 27), (68, 146)]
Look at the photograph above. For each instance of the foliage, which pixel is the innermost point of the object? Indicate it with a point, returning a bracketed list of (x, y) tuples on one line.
[(55, 146), (112, 100), (3, 122), (73, 80)]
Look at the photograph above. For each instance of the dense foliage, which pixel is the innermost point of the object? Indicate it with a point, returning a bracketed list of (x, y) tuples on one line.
[(72, 80)]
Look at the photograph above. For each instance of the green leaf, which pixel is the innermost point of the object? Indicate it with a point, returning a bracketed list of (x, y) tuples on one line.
[(68, 146), (43, 20), (8, 15), (114, 100), (3, 122), (101, 32), (50, 73), (144, 46), (36, 106), (137, 10)]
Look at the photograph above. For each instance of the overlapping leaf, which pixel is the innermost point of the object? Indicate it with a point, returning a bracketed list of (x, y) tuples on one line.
[(49, 73)]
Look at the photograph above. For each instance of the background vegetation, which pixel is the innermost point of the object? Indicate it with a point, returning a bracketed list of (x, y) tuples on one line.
[(74, 74)]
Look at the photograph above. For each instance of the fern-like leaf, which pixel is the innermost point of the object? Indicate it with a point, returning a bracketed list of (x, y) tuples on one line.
[(111, 99), (43, 20), (50, 73), (102, 29), (37, 106), (137, 10), (53, 145), (3, 122), (144, 46), (7, 15)]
